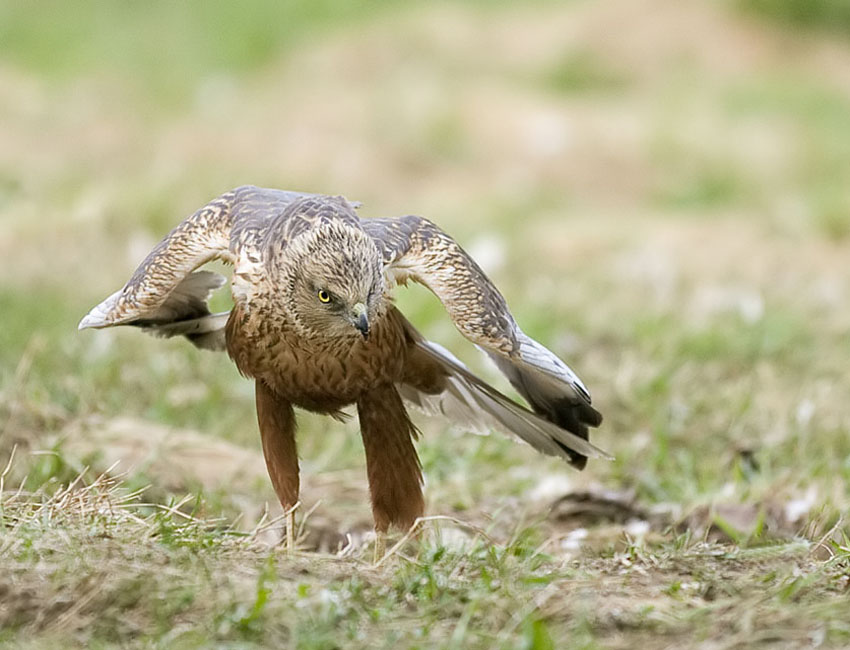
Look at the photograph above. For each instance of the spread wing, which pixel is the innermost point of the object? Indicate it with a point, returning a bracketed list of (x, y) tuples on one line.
[(415, 249), (166, 296)]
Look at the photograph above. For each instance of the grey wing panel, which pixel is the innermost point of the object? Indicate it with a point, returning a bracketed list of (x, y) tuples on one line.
[(471, 403)]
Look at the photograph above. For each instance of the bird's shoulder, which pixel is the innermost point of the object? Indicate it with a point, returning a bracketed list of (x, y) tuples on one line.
[(264, 217)]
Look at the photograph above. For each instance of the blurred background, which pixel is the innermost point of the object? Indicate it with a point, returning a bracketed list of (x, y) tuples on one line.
[(659, 187)]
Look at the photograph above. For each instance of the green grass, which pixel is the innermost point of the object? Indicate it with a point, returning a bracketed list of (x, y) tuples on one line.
[(680, 243), (171, 48), (579, 72), (829, 15), (480, 596)]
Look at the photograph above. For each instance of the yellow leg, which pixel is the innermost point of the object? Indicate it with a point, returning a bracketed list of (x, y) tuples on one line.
[(380, 546), (290, 531)]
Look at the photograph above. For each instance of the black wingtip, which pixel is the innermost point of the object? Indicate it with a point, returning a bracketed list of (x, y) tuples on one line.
[(575, 417), (588, 415), (576, 460)]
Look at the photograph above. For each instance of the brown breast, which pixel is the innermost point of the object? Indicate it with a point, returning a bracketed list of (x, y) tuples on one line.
[(322, 378)]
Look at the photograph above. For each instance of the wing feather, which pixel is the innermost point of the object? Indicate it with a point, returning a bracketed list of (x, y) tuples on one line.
[(416, 249), (472, 404), (165, 296), (202, 237)]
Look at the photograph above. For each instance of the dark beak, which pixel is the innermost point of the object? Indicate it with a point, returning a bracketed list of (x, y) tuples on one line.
[(359, 317), (362, 325)]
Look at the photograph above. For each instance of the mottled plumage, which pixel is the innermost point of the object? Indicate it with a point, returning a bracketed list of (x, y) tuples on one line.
[(314, 325)]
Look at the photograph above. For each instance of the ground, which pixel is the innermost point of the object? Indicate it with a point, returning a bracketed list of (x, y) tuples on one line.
[(659, 188)]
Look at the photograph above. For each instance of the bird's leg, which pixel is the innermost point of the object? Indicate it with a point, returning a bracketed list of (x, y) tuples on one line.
[(290, 531), (277, 431), (395, 477), (380, 545), (290, 527)]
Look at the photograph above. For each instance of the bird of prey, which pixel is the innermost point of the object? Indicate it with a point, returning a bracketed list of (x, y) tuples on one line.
[(313, 323)]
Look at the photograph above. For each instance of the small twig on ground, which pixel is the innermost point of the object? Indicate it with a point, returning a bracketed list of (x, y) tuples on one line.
[(300, 534), (260, 523)]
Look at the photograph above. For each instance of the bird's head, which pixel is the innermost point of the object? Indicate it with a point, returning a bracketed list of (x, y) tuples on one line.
[(336, 285)]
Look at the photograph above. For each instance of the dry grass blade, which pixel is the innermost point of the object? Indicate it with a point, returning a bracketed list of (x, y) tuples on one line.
[(265, 524), (822, 542), (419, 523), (6, 469)]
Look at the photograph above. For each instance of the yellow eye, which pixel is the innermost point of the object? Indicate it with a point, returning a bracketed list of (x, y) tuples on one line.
[(324, 296)]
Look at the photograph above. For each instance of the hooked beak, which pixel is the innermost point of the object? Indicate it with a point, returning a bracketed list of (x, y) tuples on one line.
[(360, 320)]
